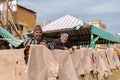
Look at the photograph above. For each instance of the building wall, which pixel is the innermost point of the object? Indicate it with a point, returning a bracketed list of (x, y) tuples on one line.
[(26, 16), (98, 23)]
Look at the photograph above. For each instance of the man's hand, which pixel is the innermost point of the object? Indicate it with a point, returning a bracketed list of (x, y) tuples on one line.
[(65, 48), (71, 50)]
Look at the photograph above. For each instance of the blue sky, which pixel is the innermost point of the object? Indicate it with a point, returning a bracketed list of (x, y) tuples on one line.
[(108, 11)]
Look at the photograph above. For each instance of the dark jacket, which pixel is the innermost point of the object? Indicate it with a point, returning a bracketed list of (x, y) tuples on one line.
[(57, 44)]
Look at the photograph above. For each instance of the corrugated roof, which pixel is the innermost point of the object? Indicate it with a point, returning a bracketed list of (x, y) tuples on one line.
[(62, 23), (27, 9)]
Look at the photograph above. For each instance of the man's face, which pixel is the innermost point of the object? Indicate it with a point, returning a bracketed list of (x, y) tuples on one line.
[(37, 34), (64, 38)]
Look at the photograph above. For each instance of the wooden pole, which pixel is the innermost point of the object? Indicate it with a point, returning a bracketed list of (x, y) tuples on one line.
[(13, 26), (6, 14), (2, 24), (14, 19)]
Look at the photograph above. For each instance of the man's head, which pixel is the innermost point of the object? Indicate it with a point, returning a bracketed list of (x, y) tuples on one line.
[(37, 33), (64, 37)]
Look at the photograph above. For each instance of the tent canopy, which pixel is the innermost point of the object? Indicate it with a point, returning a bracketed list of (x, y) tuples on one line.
[(79, 31)]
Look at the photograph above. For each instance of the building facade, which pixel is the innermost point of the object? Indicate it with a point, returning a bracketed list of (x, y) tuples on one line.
[(25, 16), (98, 23)]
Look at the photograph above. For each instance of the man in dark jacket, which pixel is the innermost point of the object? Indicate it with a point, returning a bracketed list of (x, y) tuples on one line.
[(35, 38), (62, 43)]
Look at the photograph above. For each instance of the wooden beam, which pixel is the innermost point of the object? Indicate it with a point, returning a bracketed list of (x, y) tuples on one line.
[(13, 26), (6, 13), (14, 19), (2, 24)]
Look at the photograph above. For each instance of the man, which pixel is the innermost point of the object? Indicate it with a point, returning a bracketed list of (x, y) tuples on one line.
[(62, 43), (35, 38)]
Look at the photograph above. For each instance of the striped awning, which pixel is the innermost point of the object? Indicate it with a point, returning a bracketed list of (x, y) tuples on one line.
[(9, 38), (65, 22)]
